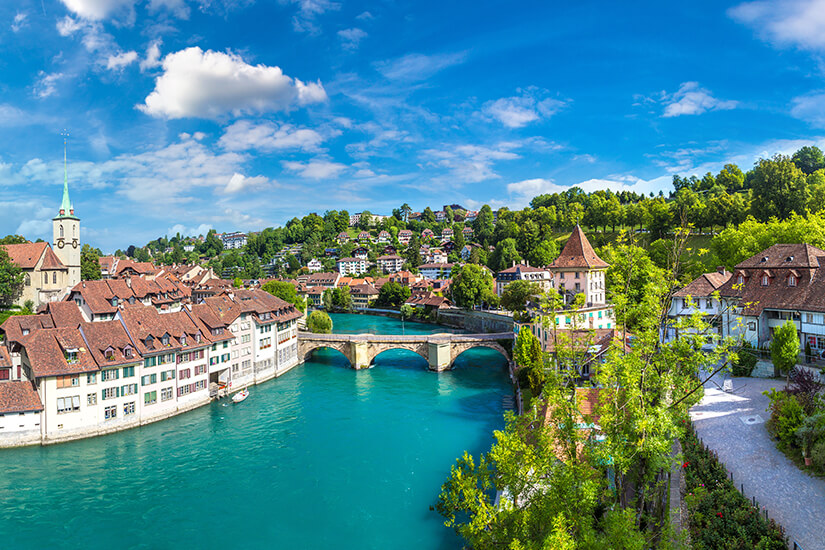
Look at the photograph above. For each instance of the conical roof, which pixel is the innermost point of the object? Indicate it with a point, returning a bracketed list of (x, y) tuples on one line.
[(579, 253)]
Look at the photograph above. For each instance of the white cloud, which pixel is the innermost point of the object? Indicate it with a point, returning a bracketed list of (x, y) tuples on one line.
[(315, 169), (20, 21), (690, 99), (416, 67), (209, 84), (810, 108), (351, 38), (518, 111), (267, 136), (46, 84), (99, 9), (120, 61), (308, 11), (176, 7), (471, 163), (201, 229), (799, 23), (364, 16), (152, 58), (239, 182)]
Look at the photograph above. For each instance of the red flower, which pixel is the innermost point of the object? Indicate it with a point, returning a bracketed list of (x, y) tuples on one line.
[(719, 514)]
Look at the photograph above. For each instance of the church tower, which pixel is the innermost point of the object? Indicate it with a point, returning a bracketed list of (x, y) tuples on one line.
[(66, 231)]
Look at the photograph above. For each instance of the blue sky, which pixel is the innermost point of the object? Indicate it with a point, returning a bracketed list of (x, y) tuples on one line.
[(240, 114)]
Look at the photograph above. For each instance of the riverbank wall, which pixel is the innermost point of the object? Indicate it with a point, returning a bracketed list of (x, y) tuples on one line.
[(476, 321)]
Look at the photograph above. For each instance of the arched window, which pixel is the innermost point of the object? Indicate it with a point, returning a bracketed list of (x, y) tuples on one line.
[(54, 277), (74, 231), (764, 280), (61, 231), (791, 281), (28, 280), (45, 278), (740, 280)]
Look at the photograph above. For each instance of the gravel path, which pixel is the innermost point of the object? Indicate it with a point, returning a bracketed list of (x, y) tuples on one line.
[(733, 424)]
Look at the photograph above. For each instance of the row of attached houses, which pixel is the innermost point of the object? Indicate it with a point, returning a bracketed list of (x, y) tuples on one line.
[(785, 282), (63, 377)]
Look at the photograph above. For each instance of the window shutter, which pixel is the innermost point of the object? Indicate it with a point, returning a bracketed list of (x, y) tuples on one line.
[(117, 392)]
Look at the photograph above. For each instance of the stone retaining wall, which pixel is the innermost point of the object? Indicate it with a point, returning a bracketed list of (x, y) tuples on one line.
[(476, 321)]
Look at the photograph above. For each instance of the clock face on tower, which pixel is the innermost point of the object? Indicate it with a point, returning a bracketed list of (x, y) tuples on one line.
[(74, 243), (60, 243)]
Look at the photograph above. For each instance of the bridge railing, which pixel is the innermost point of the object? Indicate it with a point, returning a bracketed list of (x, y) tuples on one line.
[(406, 338)]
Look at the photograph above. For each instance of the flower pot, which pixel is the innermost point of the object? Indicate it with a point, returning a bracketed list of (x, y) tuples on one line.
[(807, 461)]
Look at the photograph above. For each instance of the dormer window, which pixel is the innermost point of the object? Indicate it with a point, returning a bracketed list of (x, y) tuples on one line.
[(792, 281), (127, 352), (71, 356), (183, 340), (764, 259), (198, 337), (165, 339), (114, 302), (150, 342), (740, 280), (109, 353), (131, 299), (789, 259), (765, 280), (25, 332)]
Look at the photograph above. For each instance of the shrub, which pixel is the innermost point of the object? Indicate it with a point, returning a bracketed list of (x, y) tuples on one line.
[(818, 455), (319, 322), (787, 416), (720, 517), (745, 360), (806, 387)]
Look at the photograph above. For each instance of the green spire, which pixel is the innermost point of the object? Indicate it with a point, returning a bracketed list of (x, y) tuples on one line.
[(66, 207)]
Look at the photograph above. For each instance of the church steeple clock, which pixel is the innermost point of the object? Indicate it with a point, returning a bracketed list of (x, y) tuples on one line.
[(66, 230)]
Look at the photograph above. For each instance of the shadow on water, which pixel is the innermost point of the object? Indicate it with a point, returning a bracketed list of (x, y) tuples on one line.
[(328, 357), (400, 359)]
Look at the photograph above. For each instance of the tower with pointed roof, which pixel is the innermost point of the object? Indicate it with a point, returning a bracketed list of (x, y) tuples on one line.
[(66, 230), (578, 269)]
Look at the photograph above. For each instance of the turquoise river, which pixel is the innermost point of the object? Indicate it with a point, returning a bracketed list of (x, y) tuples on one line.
[(322, 457)]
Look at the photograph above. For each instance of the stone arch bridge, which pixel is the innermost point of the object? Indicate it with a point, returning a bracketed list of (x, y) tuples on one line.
[(439, 350)]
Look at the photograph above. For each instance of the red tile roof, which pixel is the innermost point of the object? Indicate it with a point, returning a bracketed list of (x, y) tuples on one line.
[(19, 396), (578, 253), (25, 255), (703, 285)]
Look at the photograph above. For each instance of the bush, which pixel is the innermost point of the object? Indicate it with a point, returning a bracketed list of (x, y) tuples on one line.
[(745, 360), (818, 455), (720, 517), (806, 387), (523, 377), (319, 322), (787, 416)]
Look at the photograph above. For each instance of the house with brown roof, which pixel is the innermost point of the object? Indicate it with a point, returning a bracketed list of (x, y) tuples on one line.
[(579, 270), (45, 277), (383, 237), (405, 236), (323, 279), (700, 295), (391, 263), (783, 283), (583, 348), (524, 272), (363, 295)]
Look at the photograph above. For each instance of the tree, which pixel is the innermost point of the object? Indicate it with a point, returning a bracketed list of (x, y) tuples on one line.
[(392, 294), (326, 299), (809, 159), (413, 252), (285, 291), (781, 187), (12, 280), (483, 225), (516, 295), (505, 255), (341, 298), (13, 239), (365, 221), (407, 311), (90, 263), (319, 322), (472, 285), (785, 348), (406, 211), (428, 215)]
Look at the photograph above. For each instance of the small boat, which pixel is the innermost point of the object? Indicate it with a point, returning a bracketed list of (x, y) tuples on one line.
[(240, 396)]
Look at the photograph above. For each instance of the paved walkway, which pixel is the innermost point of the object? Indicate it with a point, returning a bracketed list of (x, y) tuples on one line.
[(733, 424)]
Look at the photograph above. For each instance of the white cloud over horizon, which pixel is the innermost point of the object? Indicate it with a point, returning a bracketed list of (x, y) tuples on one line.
[(210, 84), (690, 99), (519, 111), (316, 169), (244, 135)]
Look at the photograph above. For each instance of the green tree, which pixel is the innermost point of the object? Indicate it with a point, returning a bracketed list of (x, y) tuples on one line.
[(809, 159), (319, 322), (407, 311), (12, 280), (785, 348), (406, 211), (505, 255), (516, 295), (472, 285), (781, 187), (326, 299), (428, 215), (413, 252), (13, 239), (285, 291), (392, 294), (483, 225), (341, 298), (90, 263)]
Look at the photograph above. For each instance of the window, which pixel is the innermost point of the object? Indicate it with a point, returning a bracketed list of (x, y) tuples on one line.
[(148, 379), (68, 381), (764, 280), (129, 408), (791, 281), (185, 373), (109, 393), (109, 353), (740, 280), (709, 303), (54, 277), (68, 404), (200, 369), (114, 302), (224, 358), (91, 399), (128, 372), (245, 338), (127, 352), (752, 325), (5, 374), (45, 278), (150, 343), (198, 337), (183, 340), (165, 340), (91, 378), (166, 394), (110, 374), (266, 343), (150, 362), (150, 397), (167, 375), (61, 231), (110, 412)]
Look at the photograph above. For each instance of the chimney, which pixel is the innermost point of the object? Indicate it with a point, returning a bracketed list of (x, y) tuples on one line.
[(721, 270)]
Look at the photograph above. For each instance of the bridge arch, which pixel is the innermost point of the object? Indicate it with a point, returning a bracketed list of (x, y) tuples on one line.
[(420, 350), (458, 349), (307, 349)]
